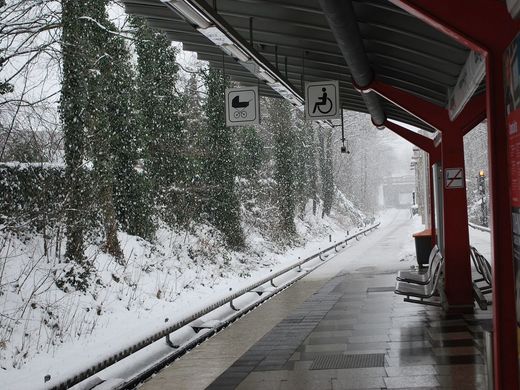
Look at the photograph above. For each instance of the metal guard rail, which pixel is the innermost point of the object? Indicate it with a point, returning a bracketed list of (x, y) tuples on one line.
[(478, 227), (81, 376)]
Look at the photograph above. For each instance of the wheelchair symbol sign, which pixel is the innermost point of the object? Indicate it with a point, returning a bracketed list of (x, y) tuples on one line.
[(322, 100)]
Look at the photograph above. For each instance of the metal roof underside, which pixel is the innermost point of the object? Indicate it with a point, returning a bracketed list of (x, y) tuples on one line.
[(402, 50)]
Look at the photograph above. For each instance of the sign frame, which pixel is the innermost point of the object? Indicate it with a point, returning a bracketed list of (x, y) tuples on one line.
[(454, 178), (237, 112), (313, 90)]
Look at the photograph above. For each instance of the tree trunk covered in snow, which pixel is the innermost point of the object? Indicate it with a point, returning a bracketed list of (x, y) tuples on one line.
[(307, 176), (281, 122), (223, 207), (249, 154), (159, 119), (193, 149), (106, 111), (312, 165), (326, 170), (4, 87), (77, 59)]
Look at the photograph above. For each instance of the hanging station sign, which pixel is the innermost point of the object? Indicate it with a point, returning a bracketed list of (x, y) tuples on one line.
[(469, 79), (322, 100), (242, 106)]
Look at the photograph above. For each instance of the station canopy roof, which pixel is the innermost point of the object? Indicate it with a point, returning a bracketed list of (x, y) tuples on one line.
[(281, 44)]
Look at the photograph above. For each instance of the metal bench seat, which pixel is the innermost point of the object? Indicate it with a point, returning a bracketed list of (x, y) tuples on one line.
[(417, 293), (483, 268), (416, 277)]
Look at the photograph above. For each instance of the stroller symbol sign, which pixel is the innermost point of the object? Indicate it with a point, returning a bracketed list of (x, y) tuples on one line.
[(322, 100), (239, 107), (242, 106)]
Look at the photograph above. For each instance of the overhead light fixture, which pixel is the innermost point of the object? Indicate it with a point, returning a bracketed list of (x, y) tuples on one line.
[(251, 66), (262, 74), (281, 89), (190, 13), (232, 46), (285, 93), (215, 35), (236, 52)]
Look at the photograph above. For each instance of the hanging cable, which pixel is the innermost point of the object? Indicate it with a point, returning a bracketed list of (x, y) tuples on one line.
[(344, 148)]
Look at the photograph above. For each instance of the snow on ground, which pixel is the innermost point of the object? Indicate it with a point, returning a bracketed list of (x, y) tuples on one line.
[(47, 332), (389, 248), (162, 284), (482, 241)]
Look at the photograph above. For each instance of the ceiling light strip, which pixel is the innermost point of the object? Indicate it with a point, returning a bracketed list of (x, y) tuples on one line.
[(213, 27)]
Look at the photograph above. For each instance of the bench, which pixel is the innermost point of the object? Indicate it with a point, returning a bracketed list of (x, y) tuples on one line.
[(419, 293), (416, 277), (483, 267)]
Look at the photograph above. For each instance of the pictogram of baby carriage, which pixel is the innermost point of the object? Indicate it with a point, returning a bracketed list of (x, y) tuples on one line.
[(240, 107)]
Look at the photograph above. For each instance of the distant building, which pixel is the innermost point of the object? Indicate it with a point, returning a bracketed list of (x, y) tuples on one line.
[(398, 191)]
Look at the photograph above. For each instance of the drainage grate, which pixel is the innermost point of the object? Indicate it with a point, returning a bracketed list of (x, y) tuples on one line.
[(330, 362), (380, 289)]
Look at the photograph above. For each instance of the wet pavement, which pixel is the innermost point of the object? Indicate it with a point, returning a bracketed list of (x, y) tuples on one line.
[(341, 327)]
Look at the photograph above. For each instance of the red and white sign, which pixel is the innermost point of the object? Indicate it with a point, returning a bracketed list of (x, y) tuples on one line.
[(454, 178)]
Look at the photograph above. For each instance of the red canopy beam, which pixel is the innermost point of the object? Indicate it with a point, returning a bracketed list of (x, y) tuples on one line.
[(486, 27)]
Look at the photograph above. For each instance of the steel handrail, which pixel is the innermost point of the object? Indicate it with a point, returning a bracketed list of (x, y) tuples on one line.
[(80, 376), (478, 227)]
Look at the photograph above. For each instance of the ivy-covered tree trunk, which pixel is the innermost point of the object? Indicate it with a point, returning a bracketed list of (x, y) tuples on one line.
[(77, 57), (223, 205), (4, 87), (311, 164), (160, 120), (284, 144), (327, 172), (103, 110), (132, 193)]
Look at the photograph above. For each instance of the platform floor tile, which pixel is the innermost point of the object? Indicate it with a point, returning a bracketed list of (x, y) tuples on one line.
[(354, 317)]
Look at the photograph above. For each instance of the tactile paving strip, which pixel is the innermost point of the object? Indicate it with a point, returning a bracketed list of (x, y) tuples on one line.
[(331, 362)]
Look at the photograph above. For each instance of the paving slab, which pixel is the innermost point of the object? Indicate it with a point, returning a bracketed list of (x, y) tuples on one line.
[(341, 327)]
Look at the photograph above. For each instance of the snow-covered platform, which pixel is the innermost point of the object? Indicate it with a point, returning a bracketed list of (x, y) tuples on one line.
[(341, 327)]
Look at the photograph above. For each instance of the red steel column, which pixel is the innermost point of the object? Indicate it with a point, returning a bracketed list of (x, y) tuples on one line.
[(432, 205), (504, 314), (487, 27), (458, 283)]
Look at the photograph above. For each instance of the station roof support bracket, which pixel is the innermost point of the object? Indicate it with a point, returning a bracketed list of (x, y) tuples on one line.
[(438, 117), (476, 30), (417, 139)]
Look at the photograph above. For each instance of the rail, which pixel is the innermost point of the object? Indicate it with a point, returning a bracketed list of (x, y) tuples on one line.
[(125, 352), (478, 227)]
